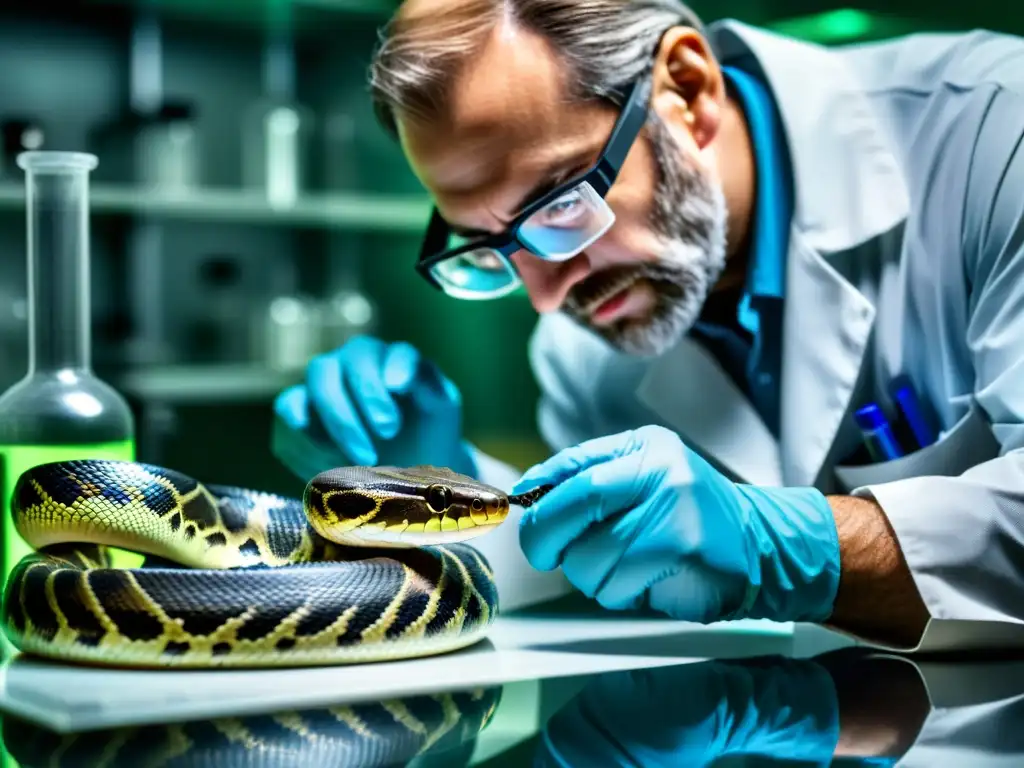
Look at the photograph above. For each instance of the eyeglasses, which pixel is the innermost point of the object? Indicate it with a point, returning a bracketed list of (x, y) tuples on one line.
[(555, 227)]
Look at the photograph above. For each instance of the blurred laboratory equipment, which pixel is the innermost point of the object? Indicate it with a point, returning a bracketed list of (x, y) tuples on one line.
[(220, 334), (277, 129), (155, 143), (17, 135), (159, 123), (347, 310), (157, 150), (286, 333), (346, 314), (275, 138), (60, 409), (290, 329), (167, 152)]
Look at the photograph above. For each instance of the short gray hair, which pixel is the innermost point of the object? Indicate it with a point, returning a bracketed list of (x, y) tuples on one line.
[(605, 44)]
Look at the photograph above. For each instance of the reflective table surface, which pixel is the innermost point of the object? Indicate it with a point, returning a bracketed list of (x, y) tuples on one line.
[(648, 694)]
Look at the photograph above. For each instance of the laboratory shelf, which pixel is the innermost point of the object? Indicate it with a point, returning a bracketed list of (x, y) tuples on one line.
[(207, 383), (339, 210)]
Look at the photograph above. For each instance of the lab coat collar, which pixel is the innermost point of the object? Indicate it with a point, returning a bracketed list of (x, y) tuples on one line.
[(848, 183), (848, 188), (770, 231)]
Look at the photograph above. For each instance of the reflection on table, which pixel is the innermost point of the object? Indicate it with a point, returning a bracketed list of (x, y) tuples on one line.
[(841, 708), (853, 706), (370, 735)]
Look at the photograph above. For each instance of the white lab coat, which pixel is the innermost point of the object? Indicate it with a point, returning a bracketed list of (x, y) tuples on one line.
[(906, 256)]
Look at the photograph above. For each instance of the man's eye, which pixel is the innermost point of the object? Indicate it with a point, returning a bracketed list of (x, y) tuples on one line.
[(564, 211), (482, 260)]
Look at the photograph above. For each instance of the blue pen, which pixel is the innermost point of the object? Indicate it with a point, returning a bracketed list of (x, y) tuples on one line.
[(878, 435), (914, 415)]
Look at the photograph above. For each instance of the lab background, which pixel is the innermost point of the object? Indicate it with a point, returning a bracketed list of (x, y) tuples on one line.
[(248, 212)]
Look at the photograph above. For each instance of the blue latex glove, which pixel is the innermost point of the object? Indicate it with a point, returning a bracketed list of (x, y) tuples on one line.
[(638, 518), (371, 403), (695, 714)]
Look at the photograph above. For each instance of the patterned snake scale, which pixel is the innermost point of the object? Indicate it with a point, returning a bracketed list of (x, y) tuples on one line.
[(370, 565), (393, 732)]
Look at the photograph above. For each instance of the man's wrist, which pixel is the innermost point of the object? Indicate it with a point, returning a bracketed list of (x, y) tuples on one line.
[(877, 597)]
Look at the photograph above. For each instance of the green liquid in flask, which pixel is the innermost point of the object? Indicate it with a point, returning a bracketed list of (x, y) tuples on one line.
[(60, 410)]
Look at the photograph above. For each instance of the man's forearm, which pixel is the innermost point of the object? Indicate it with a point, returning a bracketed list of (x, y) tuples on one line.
[(877, 598)]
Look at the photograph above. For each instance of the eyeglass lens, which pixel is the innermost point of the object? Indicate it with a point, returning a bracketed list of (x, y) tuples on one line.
[(556, 232)]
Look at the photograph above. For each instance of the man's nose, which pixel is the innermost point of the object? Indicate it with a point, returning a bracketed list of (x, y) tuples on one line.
[(549, 282)]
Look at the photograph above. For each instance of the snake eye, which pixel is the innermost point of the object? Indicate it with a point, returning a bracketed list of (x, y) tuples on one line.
[(439, 498), (477, 504)]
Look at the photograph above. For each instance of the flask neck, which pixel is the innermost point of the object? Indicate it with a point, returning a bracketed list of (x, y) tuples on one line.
[(58, 271)]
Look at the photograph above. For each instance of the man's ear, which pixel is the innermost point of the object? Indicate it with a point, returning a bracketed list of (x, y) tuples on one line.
[(688, 90)]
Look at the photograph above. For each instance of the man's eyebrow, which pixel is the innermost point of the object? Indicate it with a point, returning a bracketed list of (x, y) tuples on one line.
[(566, 169), (569, 168)]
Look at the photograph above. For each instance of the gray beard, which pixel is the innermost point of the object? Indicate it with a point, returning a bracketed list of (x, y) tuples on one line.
[(690, 217)]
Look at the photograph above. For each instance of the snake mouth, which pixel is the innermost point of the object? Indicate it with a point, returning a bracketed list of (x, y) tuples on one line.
[(445, 528), (382, 535)]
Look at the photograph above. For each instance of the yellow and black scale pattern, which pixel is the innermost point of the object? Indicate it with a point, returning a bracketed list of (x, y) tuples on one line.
[(236, 577), (366, 735)]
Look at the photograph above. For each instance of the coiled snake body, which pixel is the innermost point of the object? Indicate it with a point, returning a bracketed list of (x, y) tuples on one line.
[(371, 564)]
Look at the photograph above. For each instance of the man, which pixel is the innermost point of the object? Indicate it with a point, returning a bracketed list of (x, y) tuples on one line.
[(738, 244)]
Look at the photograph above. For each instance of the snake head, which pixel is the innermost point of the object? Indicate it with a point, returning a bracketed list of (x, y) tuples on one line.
[(401, 507)]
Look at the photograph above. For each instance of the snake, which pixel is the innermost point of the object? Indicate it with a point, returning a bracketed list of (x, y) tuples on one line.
[(370, 564), (379, 734)]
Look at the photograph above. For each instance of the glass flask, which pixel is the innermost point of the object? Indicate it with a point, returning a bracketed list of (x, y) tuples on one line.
[(60, 409)]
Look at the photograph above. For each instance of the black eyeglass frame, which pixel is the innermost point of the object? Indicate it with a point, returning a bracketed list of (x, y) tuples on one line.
[(600, 176)]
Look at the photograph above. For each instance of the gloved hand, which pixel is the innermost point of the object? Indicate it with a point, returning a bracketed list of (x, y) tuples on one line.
[(695, 714), (370, 403), (638, 518)]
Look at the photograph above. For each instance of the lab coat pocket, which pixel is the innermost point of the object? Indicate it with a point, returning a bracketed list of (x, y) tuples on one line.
[(969, 443)]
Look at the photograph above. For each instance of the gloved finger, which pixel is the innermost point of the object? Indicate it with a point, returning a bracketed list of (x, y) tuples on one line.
[(622, 558), (362, 365), (401, 367), (594, 559), (335, 409), (291, 406), (690, 595), (577, 458), (434, 392), (598, 493)]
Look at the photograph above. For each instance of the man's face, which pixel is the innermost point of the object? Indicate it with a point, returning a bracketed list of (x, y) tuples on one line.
[(512, 134)]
